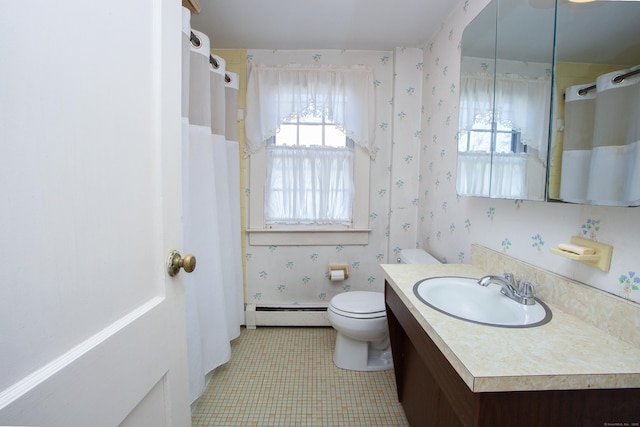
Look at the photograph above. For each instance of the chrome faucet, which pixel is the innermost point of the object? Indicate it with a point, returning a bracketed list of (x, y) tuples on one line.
[(520, 293)]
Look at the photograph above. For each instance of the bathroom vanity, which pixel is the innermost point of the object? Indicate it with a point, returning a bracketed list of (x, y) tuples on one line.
[(451, 372)]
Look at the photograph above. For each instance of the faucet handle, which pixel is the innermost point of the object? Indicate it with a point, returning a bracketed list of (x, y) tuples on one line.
[(526, 289)]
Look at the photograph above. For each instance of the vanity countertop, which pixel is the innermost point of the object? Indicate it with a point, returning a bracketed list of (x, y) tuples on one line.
[(566, 353)]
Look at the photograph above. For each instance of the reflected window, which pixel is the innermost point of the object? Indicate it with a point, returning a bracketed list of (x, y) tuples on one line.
[(479, 138)]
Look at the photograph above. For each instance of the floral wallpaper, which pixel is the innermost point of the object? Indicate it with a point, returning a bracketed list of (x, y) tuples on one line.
[(448, 224), (413, 199), (298, 275), (407, 107)]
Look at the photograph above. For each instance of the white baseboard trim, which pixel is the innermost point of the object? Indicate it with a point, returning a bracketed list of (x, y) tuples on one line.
[(285, 316)]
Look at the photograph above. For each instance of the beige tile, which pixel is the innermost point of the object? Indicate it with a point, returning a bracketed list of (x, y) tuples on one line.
[(286, 377)]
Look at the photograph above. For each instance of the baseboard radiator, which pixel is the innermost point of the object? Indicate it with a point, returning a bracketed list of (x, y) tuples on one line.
[(256, 315)]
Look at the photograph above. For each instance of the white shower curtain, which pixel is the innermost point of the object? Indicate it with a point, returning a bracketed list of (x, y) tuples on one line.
[(601, 147), (231, 89), (227, 181), (213, 291)]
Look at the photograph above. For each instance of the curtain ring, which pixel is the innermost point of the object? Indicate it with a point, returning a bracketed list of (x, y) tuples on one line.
[(621, 77), (195, 41), (227, 79), (583, 91), (213, 62)]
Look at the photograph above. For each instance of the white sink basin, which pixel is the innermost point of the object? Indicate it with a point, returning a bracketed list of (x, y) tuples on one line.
[(463, 298)]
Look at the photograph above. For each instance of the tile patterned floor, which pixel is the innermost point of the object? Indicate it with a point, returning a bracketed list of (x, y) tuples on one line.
[(286, 377)]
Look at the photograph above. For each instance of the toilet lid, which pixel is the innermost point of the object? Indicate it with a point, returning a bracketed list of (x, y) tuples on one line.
[(360, 303)]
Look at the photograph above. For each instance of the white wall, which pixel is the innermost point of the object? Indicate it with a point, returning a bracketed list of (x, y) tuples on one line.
[(521, 229)]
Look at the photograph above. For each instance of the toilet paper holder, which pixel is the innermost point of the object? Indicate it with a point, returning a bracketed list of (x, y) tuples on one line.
[(339, 267)]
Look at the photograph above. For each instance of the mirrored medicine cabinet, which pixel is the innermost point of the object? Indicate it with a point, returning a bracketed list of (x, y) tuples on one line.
[(516, 139)]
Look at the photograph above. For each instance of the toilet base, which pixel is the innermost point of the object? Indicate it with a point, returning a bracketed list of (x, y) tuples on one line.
[(356, 355)]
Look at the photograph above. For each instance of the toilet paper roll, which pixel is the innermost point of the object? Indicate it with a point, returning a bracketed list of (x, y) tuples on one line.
[(337, 275)]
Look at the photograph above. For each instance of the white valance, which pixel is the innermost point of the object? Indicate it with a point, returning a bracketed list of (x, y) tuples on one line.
[(344, 95)]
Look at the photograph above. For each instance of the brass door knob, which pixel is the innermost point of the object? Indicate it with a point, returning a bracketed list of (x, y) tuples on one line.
[(175, 262)]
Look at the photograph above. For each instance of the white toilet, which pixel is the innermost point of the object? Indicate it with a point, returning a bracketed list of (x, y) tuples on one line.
[(360, 318)]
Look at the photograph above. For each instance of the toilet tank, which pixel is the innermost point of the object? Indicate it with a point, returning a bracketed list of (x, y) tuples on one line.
[(416, 256)]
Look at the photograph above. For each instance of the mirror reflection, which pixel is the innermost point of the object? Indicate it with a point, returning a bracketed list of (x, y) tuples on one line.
[(505, 99), (596, 134)]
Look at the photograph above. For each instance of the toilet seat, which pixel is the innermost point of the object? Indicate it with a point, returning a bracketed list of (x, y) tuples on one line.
[(359, 305)]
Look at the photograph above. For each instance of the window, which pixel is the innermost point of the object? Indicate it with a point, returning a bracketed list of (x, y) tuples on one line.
[(309, 174), (266, 229), (478, 138), (310, 130), (491, 163), (309, 136), (514, 104)]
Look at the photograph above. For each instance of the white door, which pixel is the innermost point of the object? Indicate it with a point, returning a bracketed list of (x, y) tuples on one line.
[(91, 326)]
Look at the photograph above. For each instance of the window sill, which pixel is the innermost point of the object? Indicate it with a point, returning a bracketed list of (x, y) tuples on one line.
[(308, 237)]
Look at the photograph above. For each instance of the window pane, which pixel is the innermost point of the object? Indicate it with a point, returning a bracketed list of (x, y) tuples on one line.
[(311, 118), (503, 142), (310, 135), (287, 135), (334, 137), (463, 142), (480, 141)]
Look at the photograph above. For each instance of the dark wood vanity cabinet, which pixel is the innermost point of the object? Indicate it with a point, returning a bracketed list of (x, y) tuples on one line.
[(433, 394)]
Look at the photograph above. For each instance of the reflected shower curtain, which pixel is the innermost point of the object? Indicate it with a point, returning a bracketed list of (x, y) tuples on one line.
[(212, 320), (601, 151), (579, 112)]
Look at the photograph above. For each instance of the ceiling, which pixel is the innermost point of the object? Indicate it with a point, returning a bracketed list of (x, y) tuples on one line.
[(330, 24), (605, 32)]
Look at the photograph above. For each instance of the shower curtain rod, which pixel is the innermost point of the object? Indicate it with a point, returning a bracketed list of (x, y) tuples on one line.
[(196, 42), (213, 62), (617, 79)]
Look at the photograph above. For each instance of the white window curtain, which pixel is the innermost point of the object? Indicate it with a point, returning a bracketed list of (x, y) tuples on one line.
[(509, 176), (276, 93), (309, 185), (521, 103), (601, 146), (497, 175), (476, 100)]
